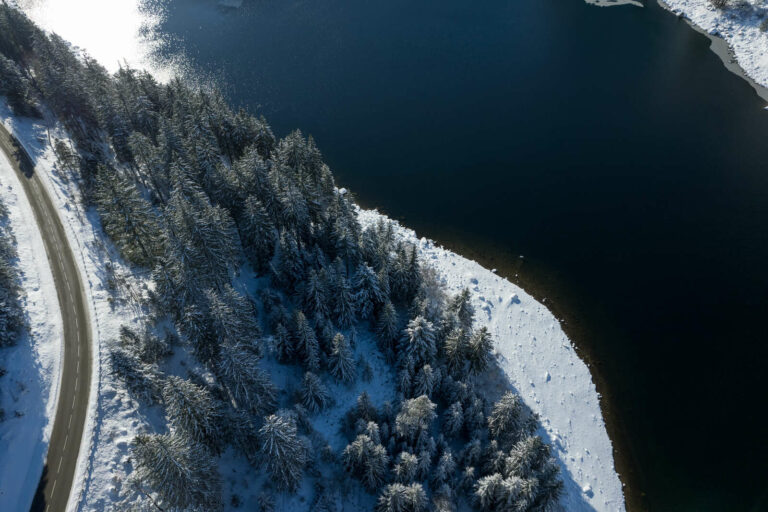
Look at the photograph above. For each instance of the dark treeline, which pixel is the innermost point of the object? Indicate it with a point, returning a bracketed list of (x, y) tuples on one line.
[(191, 190), (12, 319)]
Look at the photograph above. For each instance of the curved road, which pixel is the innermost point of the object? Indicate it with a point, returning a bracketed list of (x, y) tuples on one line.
[(59, 469)]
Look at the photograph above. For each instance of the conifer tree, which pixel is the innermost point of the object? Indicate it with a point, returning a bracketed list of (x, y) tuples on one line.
[(506, 422), (416, 415), (315, 295), (479, 350), (282, 343), (367, 461), (455, 352), (341, 365), (283, 451), (344, 307), (444, 470), (367, 294), (453, 420), (401, 498), (426, 381), (140, 378), (418, 341), (247, 385), (257, 233), (306, 343), (182, 473), (386, 330), (127, 218), (193, 412), (405, 468), (314, 394), (463, 311)]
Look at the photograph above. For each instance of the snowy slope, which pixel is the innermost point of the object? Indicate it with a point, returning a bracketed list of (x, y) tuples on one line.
[(739, 24), (542, 366), (34, 364)]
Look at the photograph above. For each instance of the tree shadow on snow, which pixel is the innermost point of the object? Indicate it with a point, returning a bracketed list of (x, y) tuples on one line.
[(495, 382)]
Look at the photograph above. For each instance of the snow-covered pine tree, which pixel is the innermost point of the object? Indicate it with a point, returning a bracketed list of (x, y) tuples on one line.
[(127, 218), (306, 343), (193, 412), (475, 418), (415, 415), (314, 394), (455, 349), (462, 310), (453, 420), (283, 451), (402, 498), (232, 317), (341, 365), (290, 264), (206, 237), (344, 306), (12, 318), (405, 468), (387, 330), (418, 342), (282, 343), (444, 470), (367, 294), (141, 379), (479, 350), (315, 293), (366, 460), (247, 384), (507, 420), (425, 382), (257, 233), (531, 459), (183, 474)]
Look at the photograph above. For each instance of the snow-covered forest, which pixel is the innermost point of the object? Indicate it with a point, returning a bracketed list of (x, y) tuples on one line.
[(11, 314), (12, 319), (195, 196)]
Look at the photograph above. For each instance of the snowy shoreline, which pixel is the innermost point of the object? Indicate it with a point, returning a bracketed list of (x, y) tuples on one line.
[(741, 29), (542, 366)]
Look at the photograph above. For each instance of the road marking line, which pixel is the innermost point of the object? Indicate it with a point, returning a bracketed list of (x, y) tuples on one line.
[(53, 489), (60, 459), (65, 442), (70, 421)]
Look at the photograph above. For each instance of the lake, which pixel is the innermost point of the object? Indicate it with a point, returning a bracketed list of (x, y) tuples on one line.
[(608, 146)]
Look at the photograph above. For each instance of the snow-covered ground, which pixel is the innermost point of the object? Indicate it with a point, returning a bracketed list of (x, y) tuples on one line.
[(30, 388), (111, 423), (743, 24), (540, 363)]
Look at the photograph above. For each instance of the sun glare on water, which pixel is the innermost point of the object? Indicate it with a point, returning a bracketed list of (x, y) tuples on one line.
[(113, 32)]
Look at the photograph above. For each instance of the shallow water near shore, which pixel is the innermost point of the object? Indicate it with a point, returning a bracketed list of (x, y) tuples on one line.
[(610, 147)]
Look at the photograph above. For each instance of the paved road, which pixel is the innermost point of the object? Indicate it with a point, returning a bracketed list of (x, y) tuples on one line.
[(56, 481)]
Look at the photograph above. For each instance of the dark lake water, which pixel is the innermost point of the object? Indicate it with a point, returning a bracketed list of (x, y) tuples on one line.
[(608, 146)]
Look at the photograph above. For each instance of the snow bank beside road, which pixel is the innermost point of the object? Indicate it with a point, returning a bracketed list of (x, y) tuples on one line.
[(740, 24), (112, 421), (30, 389), (541, 364)]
